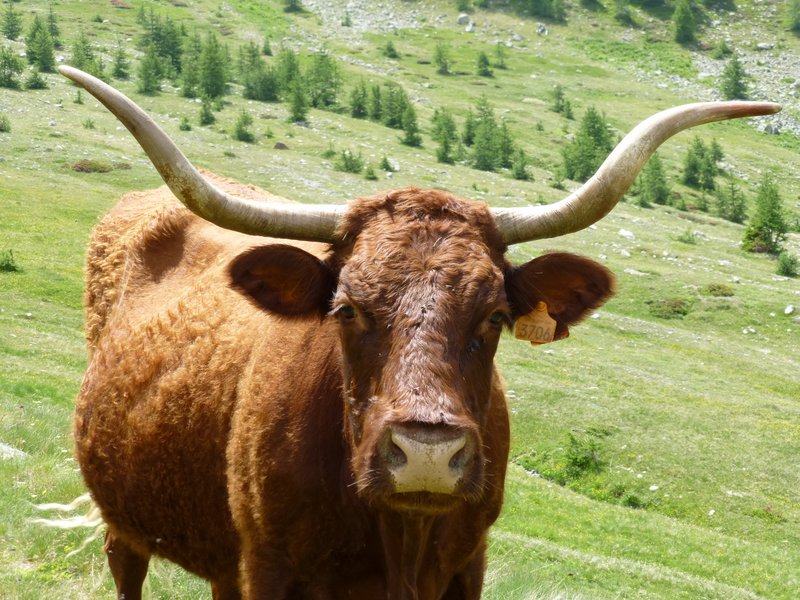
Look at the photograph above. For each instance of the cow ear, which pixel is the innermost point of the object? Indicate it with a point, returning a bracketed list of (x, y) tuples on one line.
[(570, 285), (284, 280)]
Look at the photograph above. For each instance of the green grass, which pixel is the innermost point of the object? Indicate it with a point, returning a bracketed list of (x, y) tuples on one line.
[(699, 413)]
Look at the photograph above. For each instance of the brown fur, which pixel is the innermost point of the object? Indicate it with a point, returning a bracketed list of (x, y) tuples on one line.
[(235, 411)]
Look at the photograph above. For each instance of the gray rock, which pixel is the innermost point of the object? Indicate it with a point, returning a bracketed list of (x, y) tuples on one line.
[(463, 19)]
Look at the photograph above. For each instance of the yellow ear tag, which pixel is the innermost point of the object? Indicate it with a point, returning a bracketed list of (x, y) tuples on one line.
[(538, 327)]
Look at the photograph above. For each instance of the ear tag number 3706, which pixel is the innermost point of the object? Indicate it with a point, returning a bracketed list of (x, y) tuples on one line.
[(538, 327)]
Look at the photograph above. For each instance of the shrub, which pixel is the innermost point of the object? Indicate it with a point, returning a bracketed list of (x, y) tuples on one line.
[(87, 165), (719, 290), (370, 175), (349, 162), (35, 81), (5, 124), (185, 125), (389, 50), (687, 237), (788, 265), (7, 262), (206, 114), (669, 308)]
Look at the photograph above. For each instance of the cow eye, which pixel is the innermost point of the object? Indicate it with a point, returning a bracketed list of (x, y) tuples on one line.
[(347, 312), (497, 318)]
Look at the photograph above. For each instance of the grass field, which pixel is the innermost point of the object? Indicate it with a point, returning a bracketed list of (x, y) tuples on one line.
[(691, 425)]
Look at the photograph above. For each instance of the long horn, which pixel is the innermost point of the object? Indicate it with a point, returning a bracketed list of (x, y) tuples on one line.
[(294, 221), (595, 199)]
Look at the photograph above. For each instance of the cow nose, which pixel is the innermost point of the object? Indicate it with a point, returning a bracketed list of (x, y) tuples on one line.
[(427, 458)]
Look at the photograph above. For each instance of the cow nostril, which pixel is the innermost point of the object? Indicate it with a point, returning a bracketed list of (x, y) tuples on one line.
[(459, 460), (395, 457)]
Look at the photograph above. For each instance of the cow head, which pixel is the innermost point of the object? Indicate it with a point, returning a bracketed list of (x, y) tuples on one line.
[(418, 283), (421, 291)]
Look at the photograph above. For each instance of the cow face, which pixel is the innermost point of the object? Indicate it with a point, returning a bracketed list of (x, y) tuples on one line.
[(421, 292)]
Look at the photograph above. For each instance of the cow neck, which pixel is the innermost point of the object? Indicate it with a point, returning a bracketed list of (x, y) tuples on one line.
[(406, 538)]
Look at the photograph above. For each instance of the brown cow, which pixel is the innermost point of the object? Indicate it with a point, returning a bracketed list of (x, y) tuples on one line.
[(315, 420)]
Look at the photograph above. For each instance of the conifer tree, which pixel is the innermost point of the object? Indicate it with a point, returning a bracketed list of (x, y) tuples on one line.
[(519, 166), (12, 22), (654, 188), (505, 146), (484, 68), (262, 84), (241, 130), (395, 101), (288, 69), (121, 67), (213, 80), (298, 104), (500, 56), (150, 72), (683, 22), (767, 229), (733, 85), (10, 68), (589, 148), (793, 16), (249, 60), (83, 56), (31, 50), (731, 203), (411, 135), (190, 66), (359, 100), (444, 132), (323, 80), (375, 105), (292, 6), (206, 114), (53, 28), (441, 58), (44, 52), (468, 135)]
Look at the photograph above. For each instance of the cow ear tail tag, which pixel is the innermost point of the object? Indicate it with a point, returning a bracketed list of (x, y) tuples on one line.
[(538, 327)]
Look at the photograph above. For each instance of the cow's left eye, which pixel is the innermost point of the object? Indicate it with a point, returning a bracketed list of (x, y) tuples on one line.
[(347, 312), (496, 318)]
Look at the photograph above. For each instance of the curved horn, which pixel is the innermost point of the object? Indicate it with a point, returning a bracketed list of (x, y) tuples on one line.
[(595, 199), (294, 221)]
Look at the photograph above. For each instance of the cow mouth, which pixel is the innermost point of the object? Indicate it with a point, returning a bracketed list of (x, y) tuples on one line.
[(424, 503)]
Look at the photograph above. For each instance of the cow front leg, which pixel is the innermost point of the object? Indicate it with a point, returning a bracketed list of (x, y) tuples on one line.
[(128, 567)]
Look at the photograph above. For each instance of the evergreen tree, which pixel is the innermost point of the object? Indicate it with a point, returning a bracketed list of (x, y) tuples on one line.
[(700, 166), (389, 50), (470, 124), (445, 133), (500, 56), (241, 130), (683, 22), (654, 188), (298, 104), (206, 114), (323, 80), (622, 12), (484, 68), (484, 147), (560, 103), (394, 103), (375, 105), (150, 72), (733, 85), (359, 100), (292, 6), (793, 16), (249, 60), (441, 58), (505, 146), (411, 135), (767, 230), (587, 151), (519, 166), (10, 68), (731, 204), (12, 22), (121, 68), (83, 56), (53, 28), (262, 84), (31, 40), (190, 66), (44, 52), (35, 81), (288, 69), (213, 80)]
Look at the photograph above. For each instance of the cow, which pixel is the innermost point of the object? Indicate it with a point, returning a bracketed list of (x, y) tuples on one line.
[(297, 401)]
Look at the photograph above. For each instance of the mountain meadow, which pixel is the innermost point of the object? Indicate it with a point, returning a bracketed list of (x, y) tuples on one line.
[(655, 452)]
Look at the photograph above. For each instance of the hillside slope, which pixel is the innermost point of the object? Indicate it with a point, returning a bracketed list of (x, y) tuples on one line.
[(683, 391)]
